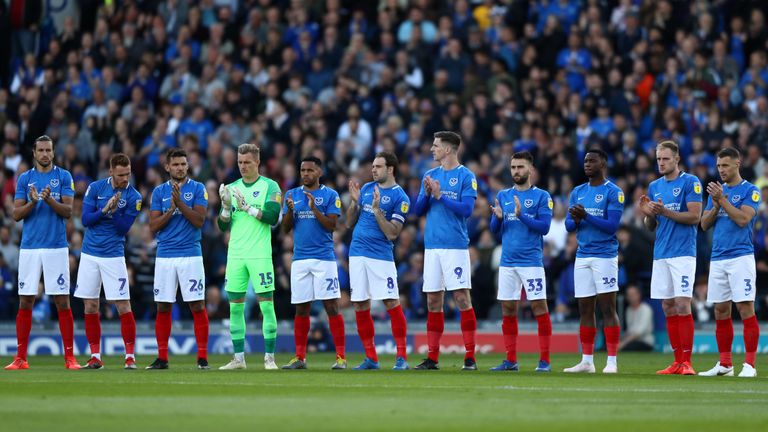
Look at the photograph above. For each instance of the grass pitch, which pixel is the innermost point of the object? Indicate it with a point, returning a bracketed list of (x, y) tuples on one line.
[(49, 398)]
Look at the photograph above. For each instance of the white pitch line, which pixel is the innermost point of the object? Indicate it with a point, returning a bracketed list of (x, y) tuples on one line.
[(448, 387)]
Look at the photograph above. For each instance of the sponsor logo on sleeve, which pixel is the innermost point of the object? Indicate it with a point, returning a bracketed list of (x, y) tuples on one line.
[(621, 197), (205, 194), (696, 188), (338, 203), (550, 204), (404, 207), (138, 205), (755, 196), (474, 184)]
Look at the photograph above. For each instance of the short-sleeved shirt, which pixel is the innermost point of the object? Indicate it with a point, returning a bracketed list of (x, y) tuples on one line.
[(597, 201), (179, 238), (730, 240), (367, 239), (310, 239), (520, 245), (251, 238), (43, 228), (675, 239), (445, 229), (102, 239)]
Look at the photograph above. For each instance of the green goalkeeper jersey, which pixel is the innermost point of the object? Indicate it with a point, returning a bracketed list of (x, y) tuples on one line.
[(251, 238)]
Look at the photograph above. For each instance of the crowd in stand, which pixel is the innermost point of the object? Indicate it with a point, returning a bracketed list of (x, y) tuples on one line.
[(342, 80)]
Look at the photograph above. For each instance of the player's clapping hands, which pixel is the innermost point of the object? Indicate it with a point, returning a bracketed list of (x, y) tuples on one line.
[(45, 194), (225, 196), (237, 194), (518, 208), (376, 198), (497, 210), (310, 200), (112, 203), (33, 195), (354, 191), (289, 203), (175, 194), (715, 191), (433, 188), (578, 213), (650, 208)]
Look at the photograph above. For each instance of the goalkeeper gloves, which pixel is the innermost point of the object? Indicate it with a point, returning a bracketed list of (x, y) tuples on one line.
[(244, 206)]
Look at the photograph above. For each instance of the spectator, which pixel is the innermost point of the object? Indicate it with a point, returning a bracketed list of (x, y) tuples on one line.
[(638, 335)]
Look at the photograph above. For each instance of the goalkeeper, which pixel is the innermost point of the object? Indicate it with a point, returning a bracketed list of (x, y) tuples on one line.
[(249, 207)]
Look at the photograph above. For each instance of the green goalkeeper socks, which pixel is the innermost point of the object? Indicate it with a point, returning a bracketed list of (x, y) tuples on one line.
[(268, 325), (237, 326)]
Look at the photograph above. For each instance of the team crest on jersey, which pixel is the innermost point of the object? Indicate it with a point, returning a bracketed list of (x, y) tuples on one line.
[(318, 200), (676, 191), (621, 197), (528, 203), (550, 204), (338, 203), (453, 182), (256, 194), (121, 203), (735, 198), (54, 182), (404, 207), (598, 198), (755, 196), (385, 199), (697, 187), (188, 196)]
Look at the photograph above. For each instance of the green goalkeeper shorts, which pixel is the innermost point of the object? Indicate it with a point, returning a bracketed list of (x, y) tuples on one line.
[(259, 271)]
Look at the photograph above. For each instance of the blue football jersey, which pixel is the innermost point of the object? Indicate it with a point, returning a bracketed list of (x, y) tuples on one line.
[(597, 201), (367, 238), (43, 228), (310, 239), (445, 229), (521, 246), (179, 238), (730, 240), (102, 239), (675, 239)]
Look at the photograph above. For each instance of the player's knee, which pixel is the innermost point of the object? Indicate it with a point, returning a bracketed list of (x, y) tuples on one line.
[(391, 303), (26, 302), (331, 308), (62, 302), (539, 307), (167, 307), (463, 300)]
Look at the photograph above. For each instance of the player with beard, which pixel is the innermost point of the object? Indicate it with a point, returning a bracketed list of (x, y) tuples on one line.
[(377, 211), (177, 214), (521, 216), (311, 211), (43, 247)]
